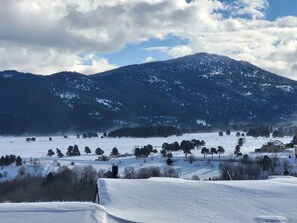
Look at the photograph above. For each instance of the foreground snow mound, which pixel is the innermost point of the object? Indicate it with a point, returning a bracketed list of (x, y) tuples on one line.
[(55, 212), (176, 200)]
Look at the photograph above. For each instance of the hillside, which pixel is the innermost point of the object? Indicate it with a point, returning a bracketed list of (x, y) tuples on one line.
[(189, 92)]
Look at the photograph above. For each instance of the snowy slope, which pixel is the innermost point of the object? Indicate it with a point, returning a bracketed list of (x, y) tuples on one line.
[(51, 212), (176, 200), (169, 200)]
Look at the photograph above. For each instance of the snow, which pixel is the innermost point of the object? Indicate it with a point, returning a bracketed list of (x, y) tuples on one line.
[(49, 212), (286, 88), (205, 169), (109, 104), (176, 200), (67, 95), (169, 200)]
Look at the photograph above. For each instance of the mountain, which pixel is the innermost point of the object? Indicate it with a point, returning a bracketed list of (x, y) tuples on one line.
[(196, 90)]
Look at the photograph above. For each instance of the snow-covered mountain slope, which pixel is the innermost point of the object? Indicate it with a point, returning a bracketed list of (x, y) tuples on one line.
[(176, 200), (192, 91)]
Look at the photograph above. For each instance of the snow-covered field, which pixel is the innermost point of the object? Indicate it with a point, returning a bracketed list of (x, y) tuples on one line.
[(39, 148), (170, 200)]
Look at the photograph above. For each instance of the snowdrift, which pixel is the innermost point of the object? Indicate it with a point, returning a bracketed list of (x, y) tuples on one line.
[(159, 200), (176, 200)]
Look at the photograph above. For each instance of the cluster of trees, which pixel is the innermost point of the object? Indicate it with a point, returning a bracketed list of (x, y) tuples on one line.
[(282, 132), (186, 146), (153, 171), (76, 184), (205, 151), (144, 151), (32, 139), (144, 132), (88, 135), (228, 132), (260, 131), (248, 169), (73, 151), (11, 159)]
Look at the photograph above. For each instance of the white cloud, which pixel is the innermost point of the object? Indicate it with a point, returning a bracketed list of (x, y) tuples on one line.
[(149, 59), (47, 36), (175, 51)]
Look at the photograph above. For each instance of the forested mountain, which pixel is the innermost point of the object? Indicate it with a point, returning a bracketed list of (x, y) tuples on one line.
[(197, 90)]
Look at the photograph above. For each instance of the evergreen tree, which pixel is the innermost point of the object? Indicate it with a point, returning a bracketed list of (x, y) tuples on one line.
[(99, 151), (50, 153), (237, 150), (76, 150), (59, 153), (87, 150), (18, 161), (115, 152)]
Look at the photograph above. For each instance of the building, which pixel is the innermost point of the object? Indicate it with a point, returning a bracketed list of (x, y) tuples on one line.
[(273, 147)]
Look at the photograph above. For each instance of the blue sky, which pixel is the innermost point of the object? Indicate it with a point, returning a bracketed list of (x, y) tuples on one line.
[(137, 53), (90, 36)]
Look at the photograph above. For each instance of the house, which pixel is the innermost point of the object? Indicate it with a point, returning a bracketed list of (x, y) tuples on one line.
[(273, 147)]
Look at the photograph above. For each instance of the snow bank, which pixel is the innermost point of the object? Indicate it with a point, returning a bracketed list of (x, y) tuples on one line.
[(55, 212), (169, 200), (176, 200)]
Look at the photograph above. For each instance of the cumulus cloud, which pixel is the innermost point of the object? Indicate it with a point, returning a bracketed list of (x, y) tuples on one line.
[(149, 59), (49, 36)]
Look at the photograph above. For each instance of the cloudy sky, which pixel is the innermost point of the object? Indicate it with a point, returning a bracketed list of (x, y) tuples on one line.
[(89, 36)]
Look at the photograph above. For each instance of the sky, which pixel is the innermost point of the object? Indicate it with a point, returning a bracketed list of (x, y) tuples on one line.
[(91, 36)]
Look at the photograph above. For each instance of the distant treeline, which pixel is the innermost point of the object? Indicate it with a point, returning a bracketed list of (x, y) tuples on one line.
[(144, 132)]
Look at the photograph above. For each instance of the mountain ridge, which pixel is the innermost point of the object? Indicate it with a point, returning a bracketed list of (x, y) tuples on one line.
[(189, 92)]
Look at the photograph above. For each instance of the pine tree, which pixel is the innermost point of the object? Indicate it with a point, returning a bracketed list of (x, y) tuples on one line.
[(18, 161), (99, 151), (87, 150), (59, 153), (50, 153)]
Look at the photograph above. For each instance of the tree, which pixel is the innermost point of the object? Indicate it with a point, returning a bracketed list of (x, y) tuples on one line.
[(240, 141), (76, 150), (115, 152), (204, 151), (59, 153), (213, 151), (99, 151), (196, 143), (295, 139), (18, 161), (50, 153), (169, 161), (220, 150), (87, 150), (187, 146), (73, 151), (237, 150)]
